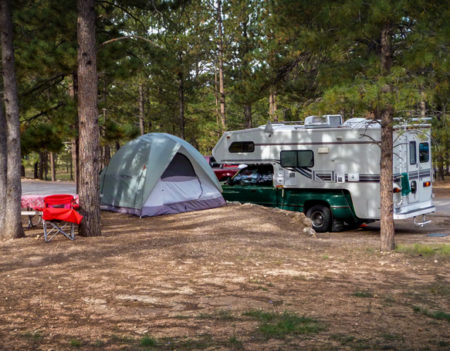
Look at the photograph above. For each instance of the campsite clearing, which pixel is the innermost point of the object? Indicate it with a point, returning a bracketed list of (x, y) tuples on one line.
[(241, 277)]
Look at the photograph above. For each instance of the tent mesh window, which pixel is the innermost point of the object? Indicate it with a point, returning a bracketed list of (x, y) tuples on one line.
[(180, 166)]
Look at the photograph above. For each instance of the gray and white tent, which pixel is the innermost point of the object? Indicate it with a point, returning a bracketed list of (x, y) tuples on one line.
[(157, 174)]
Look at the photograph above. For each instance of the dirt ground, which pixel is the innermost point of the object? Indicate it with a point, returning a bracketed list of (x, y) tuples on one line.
[(222, 279)]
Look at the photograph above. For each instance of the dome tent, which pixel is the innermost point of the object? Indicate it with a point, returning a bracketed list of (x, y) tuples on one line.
[(157, 174)]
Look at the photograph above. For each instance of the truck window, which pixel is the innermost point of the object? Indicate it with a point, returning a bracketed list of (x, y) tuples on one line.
[(412, 153), (261, 175), (424, 152), (242, 146), (297, 158)]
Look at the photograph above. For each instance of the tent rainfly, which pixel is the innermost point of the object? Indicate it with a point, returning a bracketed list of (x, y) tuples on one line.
[(158, 174)]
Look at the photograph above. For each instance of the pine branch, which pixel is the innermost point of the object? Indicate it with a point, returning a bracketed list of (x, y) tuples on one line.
[(46, 84), (129, 37), (124, 10), (43, 113)]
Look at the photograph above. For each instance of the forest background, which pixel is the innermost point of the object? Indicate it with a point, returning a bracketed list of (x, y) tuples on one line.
[(197, 68)]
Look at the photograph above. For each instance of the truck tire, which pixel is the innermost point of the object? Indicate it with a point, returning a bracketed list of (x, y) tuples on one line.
[(320, 216)]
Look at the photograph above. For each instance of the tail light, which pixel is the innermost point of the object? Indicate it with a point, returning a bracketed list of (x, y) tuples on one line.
[(426, 184), (397, 190)]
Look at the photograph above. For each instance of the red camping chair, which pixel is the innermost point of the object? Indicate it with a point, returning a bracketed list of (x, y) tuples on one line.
[(59, 212)]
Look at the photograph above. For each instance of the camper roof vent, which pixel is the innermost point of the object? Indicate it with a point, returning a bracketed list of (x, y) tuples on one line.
[(325, 121)]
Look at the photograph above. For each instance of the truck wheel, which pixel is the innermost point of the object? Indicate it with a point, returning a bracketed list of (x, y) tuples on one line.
[(321, 218)]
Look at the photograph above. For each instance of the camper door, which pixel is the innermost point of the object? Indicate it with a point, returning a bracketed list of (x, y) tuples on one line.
[(419, 168), (413, 168)]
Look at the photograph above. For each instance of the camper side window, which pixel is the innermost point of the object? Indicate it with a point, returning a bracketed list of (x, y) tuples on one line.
[(412, 153), (242, 146), (297, 158), (424, 152)]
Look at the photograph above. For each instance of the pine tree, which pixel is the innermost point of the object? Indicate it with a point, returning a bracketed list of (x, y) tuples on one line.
[(12, 224), (88, 120)]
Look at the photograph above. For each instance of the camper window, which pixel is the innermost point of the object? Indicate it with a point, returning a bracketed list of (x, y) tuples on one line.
[(297, 158), (424, 152), (412, 153), (242, 146)]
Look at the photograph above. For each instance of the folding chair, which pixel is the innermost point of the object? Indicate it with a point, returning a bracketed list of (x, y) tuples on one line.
[(60, 215)]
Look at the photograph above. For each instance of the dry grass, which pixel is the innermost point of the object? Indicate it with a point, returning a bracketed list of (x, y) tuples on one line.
[(186, 282)]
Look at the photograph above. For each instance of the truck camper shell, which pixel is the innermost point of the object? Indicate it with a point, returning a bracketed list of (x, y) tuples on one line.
[(330, 169)]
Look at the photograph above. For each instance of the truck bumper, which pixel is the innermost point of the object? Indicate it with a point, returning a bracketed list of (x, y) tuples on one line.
[(415, 213)]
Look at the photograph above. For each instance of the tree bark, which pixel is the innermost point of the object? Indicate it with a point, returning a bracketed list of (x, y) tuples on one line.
[(76, 171), (12, 215), (223, 118), (181, 104), (141, 109), (3, 163), (53, 166), (88, 119), (147, 107), (107, 150), (423, 104), (248, 115), (273, 105), (43, 165), (73, 92), (216, 96), (36, 170), (387, 230)]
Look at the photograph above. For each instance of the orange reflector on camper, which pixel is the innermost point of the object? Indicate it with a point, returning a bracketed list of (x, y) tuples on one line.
[(426, 184), (397, 190)]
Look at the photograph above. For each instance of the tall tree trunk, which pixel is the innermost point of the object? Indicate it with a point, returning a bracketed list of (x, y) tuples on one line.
[(12, 215), (53, 166), (75, 140), (88, 119), (106, 154), (273, 105), (106, 149), (248, 115), (387, 229), (36, 170), (45, 165), (223, 118), (141, 109), (216, 96), (71, 166), (423, 104), (76, 171), (147, 108), (440, 167), (181, 103), (42, 161), (3, 163), (245, 71)]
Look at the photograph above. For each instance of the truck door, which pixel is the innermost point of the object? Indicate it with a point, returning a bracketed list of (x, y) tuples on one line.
[(253, 184), (413, 169)]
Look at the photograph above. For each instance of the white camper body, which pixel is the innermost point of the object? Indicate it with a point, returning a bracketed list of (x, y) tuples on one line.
[(325, 153)]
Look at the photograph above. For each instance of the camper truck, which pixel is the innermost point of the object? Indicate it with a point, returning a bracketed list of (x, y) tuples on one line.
[(329, 169)]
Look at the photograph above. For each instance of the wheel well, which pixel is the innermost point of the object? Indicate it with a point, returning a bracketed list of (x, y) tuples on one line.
[(310, 203)]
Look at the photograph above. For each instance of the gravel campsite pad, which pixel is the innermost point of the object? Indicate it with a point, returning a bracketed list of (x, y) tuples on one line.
[(241, 277)]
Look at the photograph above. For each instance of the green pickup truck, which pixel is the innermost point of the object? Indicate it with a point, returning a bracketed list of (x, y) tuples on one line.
[(329, 209)]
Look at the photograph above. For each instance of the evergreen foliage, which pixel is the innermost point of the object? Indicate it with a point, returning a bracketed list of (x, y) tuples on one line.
[(319, 56)]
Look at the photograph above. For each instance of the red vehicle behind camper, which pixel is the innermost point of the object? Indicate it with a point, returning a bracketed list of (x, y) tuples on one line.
[(223, 172)]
